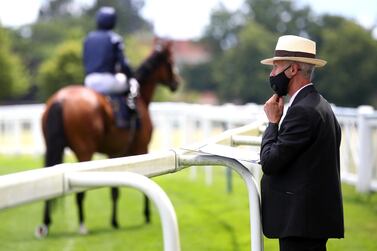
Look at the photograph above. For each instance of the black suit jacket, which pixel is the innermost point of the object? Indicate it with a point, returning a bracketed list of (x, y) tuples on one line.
[(300, 187)]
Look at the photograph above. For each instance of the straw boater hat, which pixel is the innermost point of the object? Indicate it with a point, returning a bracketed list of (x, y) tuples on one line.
[(297, 49)]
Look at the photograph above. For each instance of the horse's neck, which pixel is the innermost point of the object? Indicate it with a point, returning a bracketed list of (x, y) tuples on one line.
[(147, 90)]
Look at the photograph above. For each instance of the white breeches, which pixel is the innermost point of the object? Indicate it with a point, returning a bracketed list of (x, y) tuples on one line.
[(107, 83)]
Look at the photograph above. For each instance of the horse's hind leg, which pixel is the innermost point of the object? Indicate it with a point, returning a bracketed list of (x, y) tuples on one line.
[(114, 197), (55, 143), (81, 156), (80, 201)]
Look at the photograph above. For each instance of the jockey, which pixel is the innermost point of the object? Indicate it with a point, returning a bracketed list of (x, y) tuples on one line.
[(107, 69)]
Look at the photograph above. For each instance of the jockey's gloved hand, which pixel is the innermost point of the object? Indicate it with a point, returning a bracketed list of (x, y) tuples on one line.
[(134, 87)]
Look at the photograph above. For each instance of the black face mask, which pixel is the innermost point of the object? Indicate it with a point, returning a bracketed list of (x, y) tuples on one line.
[(279, 83)]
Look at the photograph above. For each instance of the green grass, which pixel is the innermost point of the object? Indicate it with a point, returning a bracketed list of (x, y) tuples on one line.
[(208, 217)]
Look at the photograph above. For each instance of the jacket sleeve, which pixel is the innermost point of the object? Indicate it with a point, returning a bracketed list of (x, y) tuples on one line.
[(279, 148), (120, 58)]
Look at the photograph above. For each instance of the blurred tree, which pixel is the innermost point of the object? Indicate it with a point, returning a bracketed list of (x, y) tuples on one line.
[(57, 22), (138, 47), (128, 14), (236, 58), (349, 78), (13, 76), (349, 48), (239, 74), (281, 17), (220, 35), (199, 77), (64, 20), (63, 69), (222, 32), (36, 42), (56, 9)]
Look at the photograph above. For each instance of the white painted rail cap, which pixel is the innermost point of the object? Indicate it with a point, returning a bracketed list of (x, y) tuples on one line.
[(228, 152)]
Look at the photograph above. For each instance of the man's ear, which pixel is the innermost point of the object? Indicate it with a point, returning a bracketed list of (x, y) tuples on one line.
[(294, 69)]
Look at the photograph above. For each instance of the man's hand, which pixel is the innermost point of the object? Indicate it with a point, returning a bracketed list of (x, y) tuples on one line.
[(274, 108)]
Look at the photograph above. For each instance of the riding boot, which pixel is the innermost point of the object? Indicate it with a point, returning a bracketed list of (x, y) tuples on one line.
[(132, 94)]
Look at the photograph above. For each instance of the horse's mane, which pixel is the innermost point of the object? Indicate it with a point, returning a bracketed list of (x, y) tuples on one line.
[(149, 65)]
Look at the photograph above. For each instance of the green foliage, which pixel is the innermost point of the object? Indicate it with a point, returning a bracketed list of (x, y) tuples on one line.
[(240, 40), (13, 76), (281, 17), (54, 9), (37, 43), (239, 72), (128, 17), (349, 78), (222, 31), (199, 77), (59, 22), (63, 68), (137, 48)]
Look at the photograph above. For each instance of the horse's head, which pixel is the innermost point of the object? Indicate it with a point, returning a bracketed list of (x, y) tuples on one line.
[(160, 66)]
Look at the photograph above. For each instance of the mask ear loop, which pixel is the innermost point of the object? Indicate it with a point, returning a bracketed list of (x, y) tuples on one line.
[(286, 68), (299, 69)]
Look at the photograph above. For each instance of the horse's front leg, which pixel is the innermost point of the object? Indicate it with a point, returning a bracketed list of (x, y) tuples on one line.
[(114, 197), (80, 201), (46, 213), (42, 230)]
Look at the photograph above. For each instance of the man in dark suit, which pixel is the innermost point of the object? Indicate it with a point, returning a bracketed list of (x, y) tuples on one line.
[(300, 187)]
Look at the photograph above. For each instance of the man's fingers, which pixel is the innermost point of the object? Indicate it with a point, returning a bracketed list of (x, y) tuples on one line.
[(274, 98), (281, 101)]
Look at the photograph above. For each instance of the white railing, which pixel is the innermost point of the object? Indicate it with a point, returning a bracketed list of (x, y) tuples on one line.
[(181, 124), (20, 127), (359, 145), (59, 180)]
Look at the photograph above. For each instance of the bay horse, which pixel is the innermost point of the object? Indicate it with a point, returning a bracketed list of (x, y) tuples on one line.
[(81, 119)]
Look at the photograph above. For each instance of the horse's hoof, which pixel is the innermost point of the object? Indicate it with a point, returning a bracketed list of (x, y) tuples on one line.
[(41, 231), (114, 224), (147, 220), (83, 230)]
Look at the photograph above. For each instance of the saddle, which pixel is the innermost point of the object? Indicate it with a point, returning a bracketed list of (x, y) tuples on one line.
[(126, 117)]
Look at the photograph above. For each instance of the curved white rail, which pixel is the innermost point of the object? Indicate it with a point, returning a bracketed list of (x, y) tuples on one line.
[(247, 176), (142, 183)]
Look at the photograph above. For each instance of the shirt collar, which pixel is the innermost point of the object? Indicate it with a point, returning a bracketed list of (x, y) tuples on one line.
[(295, 94)]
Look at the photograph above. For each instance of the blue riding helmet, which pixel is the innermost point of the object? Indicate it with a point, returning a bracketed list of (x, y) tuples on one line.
[(106, 18)]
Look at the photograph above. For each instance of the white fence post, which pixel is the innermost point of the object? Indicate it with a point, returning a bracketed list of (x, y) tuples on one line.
[(365, 164), (206, 128)]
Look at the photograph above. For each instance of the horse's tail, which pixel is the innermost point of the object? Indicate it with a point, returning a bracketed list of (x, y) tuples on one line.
[(54, 135)]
